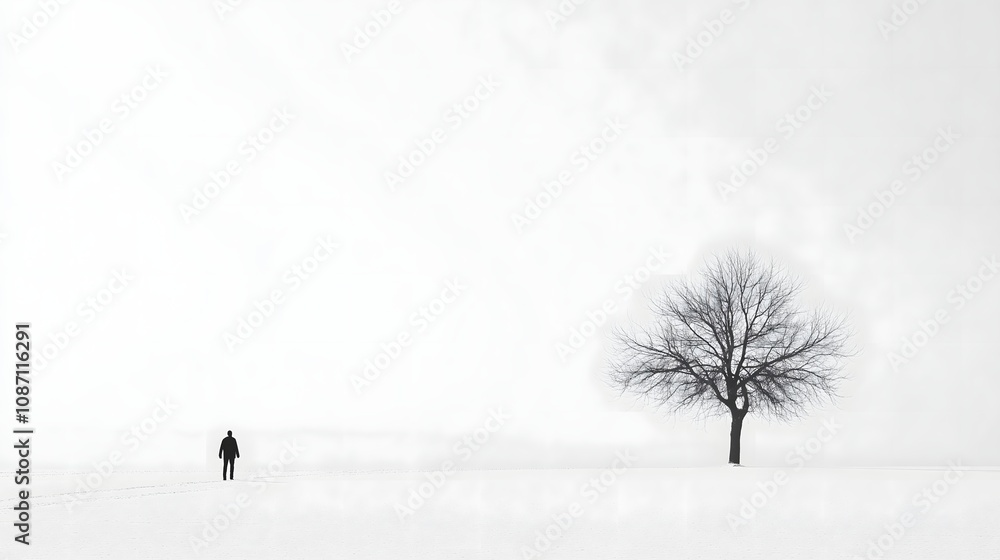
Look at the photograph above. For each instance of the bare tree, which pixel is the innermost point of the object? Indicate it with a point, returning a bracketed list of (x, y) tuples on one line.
[(735, 341)]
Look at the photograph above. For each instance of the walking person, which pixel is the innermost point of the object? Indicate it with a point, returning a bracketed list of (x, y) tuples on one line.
[(228, 452)]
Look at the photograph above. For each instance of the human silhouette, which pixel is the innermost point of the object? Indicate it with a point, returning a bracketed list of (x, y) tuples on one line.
[(231, 452)]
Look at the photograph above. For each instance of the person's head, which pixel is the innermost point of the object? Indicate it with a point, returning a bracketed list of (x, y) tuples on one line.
[(229, 433)]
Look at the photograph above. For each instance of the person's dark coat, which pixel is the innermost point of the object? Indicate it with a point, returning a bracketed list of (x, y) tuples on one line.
[(229, 448)]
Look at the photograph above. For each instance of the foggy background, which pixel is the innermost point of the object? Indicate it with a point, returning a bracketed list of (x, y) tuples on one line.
[(222, 74)]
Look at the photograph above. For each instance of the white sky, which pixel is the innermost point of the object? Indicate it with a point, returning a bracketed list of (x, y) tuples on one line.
[(323, 175)]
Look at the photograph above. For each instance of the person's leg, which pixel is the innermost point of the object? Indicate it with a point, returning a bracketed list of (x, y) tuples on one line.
[(232, 465), (224, 469)]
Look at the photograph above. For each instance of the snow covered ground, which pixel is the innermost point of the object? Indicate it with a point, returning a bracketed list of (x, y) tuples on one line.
[(621, 512)]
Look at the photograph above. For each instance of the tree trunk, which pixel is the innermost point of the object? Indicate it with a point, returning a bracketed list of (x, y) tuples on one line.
[(734, 437)]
